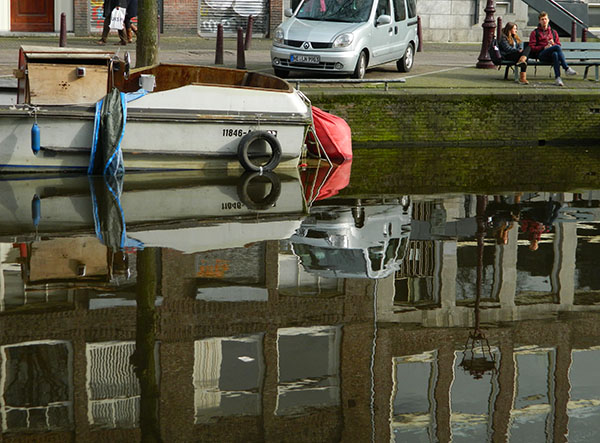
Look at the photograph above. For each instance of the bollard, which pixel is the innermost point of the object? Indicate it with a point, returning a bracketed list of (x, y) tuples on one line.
[(219, 50), (241, 59), (62, 42), (419, 34), (573, 32), (584, 35), (248, 32), (499, 29)]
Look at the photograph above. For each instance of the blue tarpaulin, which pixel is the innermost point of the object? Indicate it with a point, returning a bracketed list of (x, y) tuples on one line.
[(106, 157)]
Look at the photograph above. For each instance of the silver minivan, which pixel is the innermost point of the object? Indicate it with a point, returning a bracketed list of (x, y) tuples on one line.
[(345, 36)]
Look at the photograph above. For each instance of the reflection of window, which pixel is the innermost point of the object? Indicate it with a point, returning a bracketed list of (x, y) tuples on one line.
[(472, 400), (37, 387), (295, 280), (308, 368), (413, 403), (228, 377), (466, 274), (587, 279), (113, 388), (534, 271), (532, 409), (584, 403)]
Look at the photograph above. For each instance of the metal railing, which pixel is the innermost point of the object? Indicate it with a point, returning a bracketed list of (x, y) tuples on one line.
[(385, 82)]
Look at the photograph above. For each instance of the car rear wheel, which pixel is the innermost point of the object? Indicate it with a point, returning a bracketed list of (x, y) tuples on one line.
[(406, 62), (281, 73), (361, 66)]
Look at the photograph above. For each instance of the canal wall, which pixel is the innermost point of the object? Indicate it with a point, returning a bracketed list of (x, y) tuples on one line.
[(379, 117)]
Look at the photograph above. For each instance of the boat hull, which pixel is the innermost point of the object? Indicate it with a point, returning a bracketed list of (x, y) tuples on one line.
[(175, 129)]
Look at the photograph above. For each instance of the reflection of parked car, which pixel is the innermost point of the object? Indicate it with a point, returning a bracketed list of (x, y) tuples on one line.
[(360, 241), (346, 36)]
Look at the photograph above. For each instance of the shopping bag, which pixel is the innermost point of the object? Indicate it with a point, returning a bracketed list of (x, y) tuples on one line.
[(117, 18)]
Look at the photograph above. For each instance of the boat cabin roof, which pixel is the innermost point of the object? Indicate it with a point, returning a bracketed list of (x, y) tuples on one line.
[(45, 52)]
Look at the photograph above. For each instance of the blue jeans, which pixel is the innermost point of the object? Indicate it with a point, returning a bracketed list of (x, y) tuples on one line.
[(555, 56)]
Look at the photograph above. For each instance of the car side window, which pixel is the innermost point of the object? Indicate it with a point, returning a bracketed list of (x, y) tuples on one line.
[(412, 8), (383, 7), (399, 10)]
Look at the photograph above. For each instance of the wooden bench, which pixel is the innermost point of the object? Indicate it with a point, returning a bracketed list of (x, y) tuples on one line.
[(576, 54)]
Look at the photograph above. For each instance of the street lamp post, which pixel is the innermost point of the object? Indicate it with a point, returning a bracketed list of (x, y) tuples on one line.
[(489, 26)]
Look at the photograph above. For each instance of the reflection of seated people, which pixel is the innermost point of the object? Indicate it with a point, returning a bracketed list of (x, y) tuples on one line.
[(501, 216), (537, 218)]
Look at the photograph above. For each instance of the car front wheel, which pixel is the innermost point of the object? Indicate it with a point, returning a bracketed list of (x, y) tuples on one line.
[(406, 62), (361, 66)]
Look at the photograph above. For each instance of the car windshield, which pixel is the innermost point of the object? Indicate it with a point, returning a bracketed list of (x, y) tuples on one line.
[(351, 11)]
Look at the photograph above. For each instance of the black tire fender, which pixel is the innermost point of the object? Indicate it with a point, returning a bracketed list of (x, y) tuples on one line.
[(250, 138), (265, 202)]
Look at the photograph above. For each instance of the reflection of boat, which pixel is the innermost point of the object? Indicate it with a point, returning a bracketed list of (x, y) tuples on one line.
[(186, 211), (193, 115), (354, 241)]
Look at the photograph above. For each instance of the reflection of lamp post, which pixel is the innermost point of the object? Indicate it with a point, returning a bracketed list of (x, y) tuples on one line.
[(478, 363), (489, 26)]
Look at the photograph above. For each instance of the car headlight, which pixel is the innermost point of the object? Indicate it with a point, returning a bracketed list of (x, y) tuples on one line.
[(278, 36), (343, 40)]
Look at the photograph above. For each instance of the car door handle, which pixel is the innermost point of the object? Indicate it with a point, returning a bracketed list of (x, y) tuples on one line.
[(395, 29)]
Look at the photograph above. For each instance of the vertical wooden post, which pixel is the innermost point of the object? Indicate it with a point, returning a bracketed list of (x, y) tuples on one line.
[(219, 49), (62, 42), (419, 34), (573, 32), (499, 29), (241, 58), (249, 32)]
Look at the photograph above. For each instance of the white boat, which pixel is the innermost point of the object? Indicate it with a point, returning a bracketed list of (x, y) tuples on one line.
[(195, 117)]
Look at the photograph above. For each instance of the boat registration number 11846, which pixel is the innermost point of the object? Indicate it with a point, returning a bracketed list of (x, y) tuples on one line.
[(231, 132)]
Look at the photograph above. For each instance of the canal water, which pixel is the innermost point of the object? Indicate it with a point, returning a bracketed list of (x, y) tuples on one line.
[(321, 305)]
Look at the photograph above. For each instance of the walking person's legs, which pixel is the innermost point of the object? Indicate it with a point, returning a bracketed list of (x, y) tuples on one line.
[(105, 31)]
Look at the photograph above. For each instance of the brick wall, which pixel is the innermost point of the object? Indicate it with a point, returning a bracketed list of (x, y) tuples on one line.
[(180, 17), (81, 17), (486, 119), (276, 15)]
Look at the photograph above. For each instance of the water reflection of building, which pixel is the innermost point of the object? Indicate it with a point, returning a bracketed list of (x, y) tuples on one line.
[(544, 382), (436, 285), (249, 345), (237, 358)]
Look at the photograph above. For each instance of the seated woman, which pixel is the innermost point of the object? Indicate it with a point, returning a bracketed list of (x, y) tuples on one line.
[(511, 48)]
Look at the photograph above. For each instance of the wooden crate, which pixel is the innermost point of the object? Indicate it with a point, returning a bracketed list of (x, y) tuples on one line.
[(58, 84)]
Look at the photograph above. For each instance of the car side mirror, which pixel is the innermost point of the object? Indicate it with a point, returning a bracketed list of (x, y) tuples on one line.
[(288, 12), (384, 19)]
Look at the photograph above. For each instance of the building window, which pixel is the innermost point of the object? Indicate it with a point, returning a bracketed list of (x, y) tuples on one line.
[(37, 390)]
